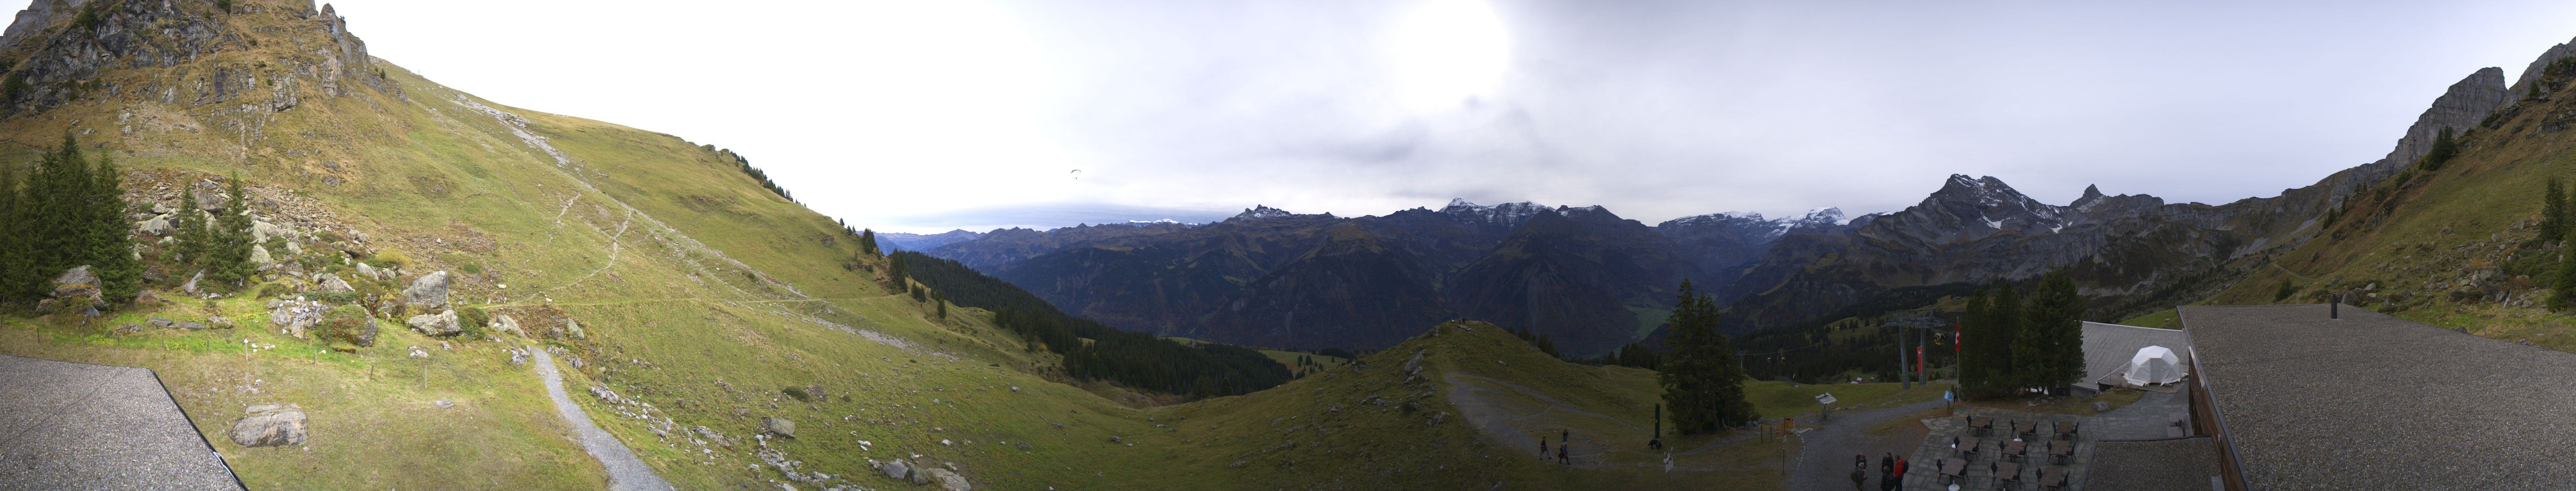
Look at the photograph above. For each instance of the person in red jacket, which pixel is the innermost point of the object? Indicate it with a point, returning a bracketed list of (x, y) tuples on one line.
[(1900, 471)]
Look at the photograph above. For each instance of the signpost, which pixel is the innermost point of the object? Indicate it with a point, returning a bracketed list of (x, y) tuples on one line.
[(1825, 401)]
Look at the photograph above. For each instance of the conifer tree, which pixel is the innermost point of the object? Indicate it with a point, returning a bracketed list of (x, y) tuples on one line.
[(56, 200), (1976, 362), (868, 241), (2562, 293), (228, 260), (110, 241), (189, 228), (1701, 381), (14, 243), (2553, 211), (2050, 352), (940, 304)]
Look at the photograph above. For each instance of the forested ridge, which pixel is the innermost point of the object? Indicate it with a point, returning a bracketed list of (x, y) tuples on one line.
[(1094, 351)]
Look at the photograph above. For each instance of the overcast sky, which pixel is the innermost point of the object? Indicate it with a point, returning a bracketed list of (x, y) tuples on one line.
[(931, 115)]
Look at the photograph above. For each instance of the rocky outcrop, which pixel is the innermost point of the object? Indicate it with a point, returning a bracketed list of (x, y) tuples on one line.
[(296, 317), (158, 226), (439, 324), (38, 15), (427, 292), (75, 292), (270, 425), (2459, 108), (948, 480), (2522, 84)]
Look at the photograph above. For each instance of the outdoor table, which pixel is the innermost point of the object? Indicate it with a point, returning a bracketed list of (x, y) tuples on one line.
[(2061, 450), (2007, 473), (1967, 446), (2026, 427), (1985, 425), (2066, 428), (1953, 469), (2052, 478), (2015, 449)]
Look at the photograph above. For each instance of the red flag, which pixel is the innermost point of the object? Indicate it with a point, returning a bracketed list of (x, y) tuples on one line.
[(1954, 337)]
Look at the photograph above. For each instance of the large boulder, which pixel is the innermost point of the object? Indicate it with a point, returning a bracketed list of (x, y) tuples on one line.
[(368, 271), (77, 282), (948, 480), (506, 324), (332, 283), (430, 291), (895, 469), (259, 256), (269, 425), (439, 324), (296, 317), (778, 426), (260, 231)]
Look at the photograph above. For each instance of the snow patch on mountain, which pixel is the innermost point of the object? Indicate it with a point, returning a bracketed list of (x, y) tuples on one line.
[(1260, 211)]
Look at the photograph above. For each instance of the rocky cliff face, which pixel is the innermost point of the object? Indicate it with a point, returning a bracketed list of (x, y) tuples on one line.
[(2522, 84), (64, 56)]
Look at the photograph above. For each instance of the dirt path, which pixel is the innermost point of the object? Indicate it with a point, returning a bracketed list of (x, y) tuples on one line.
[(625, 472), (1824, 462), (1475, 399)]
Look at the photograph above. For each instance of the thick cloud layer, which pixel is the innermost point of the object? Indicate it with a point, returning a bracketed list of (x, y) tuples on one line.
[(926, 116)]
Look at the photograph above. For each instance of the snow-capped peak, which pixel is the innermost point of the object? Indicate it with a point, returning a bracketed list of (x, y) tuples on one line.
[(1506, 214), (1259, 211), (1824, 216), (1150, 222)]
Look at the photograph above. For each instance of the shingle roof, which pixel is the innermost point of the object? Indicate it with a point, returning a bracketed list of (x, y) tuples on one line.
[(2371, 401), (2107, 347), (2180, 464)]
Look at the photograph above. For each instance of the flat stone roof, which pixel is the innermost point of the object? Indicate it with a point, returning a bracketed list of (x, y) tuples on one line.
[(2108, 347), (2179, 464), (2371, 401), (80, 426)]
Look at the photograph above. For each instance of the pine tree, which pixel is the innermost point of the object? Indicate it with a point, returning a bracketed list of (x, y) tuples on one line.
[(2553, 211), (1976, 364), (2049, 353), (2443, 149), (939, 303), (55, 198), (228, 262), (14, 256), (1701, 381), (1991, 335), (189, 228), (111, 243), (2562, 294), (868, 241)]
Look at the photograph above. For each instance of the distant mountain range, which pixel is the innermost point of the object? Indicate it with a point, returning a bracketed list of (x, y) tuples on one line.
[(1592, 280)]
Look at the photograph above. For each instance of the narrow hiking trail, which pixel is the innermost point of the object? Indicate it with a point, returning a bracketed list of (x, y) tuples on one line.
[(625, 472)]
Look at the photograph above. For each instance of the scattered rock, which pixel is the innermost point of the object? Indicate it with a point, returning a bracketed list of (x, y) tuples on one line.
[(428, 291), (778, 426), (1113, 438), (158, 322), (270, 425), (158, 226), (1237, 464), (294, 249), (260, 231), (191, 286), (443, 403), (572, 329), (368, 271), (210, 200), (218, 322), (192, 326), (259, 256), (129, 329), (439, 324)]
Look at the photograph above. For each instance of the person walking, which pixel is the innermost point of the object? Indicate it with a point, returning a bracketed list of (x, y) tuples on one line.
[(1900, 472), (1542, 447), (1860, 478), (1561, 457)]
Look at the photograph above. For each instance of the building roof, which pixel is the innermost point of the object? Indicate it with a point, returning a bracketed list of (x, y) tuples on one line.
[(2179, 464), (80, 426), (2371, 401), (2108, 347)]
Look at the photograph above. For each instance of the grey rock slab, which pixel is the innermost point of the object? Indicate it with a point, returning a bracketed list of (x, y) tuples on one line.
[(427, 291)]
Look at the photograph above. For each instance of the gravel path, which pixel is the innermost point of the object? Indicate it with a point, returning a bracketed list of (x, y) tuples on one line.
[(1824, 462), (625, 472)]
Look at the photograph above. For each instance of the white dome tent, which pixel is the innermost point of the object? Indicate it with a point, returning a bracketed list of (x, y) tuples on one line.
[(2154, 365)]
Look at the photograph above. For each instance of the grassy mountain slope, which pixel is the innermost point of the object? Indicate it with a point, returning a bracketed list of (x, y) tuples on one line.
[(2454, 247)]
